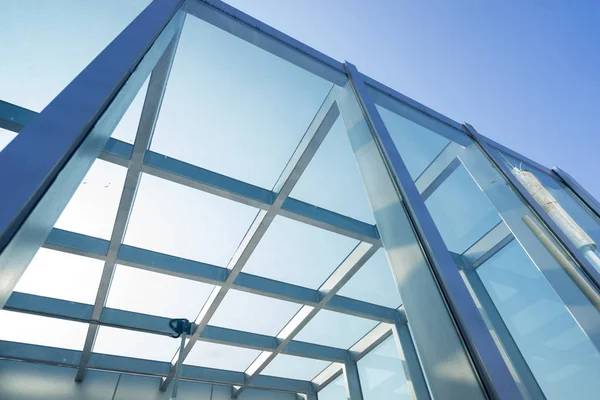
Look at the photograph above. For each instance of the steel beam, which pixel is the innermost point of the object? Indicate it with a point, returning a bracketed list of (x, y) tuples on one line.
[(314, 136), (70, 358), (63, 141), (78, 244), (410, 362), (56, 308), (398, 209), (143, 137), (361, 254)]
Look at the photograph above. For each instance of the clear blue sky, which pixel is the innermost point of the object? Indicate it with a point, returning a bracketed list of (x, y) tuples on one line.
[(525, 73)]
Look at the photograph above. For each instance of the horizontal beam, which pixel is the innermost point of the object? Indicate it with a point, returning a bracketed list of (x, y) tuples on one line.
[(70, 358), (75, 243), (13, 117), (56, 308)]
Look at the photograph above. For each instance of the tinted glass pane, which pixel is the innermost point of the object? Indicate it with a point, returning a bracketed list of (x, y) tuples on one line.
[(212, 116), (121, 342), (562, 358), (253, 313), (336, 390), (152, 293), (294, 367), (93, 208), (335, 329), (574, 218), (374, 283), (332, 180), (381, 373), (55, 332), (298, 253), (177, 220), (212, 355), (49, 46), (62, 276)]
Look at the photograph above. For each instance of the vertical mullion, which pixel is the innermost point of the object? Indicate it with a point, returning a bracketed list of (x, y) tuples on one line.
[(352, 381), (490, 365), (410, 362)]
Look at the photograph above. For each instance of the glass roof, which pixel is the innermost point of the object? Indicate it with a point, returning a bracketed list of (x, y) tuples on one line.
[(6, 137), (212, 117), (122, 342), (293, 367), (242, 115), (253, 313), (152, 293), (298, 253), (177, 220), (219, 356), (62, 276), (43, 331), (93, 207), (334, 329)]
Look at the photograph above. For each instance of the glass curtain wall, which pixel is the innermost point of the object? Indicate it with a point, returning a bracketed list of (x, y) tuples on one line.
[(548, 321)]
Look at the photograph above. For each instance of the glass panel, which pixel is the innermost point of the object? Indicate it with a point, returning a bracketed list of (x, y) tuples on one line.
[(417, 145), (43, 331), (152, 293), (335, 329), (212, 355), (461, 211), (147, 346), (177, 220), (563, 360), (382, 375), (332, 180), (336, 390), (574, 218), (253, 313), (127, 127), (298, 253), (293, 367), (374, 283), (466, 196), (212, 116), (6, 137), (49, 46), (93, 208), (62, 276)]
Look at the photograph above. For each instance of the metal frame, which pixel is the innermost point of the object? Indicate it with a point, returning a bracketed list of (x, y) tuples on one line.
[(145, 46)]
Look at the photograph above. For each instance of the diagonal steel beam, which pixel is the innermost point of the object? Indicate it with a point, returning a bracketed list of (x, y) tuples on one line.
[(148, 118), (357, 258), (308, 146)]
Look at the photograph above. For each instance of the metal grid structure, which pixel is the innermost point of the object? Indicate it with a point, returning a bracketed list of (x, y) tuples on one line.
[(150, 44)]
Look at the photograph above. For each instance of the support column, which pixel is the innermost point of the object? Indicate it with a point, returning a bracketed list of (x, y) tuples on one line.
[(352, 381), (410, 362)]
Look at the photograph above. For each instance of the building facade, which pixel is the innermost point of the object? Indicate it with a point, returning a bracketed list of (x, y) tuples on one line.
[(329, 237)]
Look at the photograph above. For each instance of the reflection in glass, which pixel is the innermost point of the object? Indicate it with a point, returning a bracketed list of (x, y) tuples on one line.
[(563, 360), (575, 219), (382, 375)]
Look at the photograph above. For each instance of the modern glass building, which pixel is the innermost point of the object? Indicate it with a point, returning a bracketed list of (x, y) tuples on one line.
[(328, 237)]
